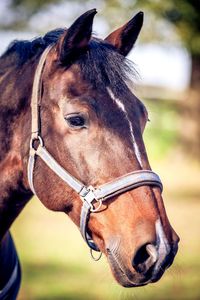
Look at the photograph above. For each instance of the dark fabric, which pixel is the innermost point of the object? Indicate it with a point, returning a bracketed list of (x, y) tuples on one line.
[(12, 293), (8, 262)]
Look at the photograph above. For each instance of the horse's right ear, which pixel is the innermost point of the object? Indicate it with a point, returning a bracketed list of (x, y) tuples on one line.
[(76, 38)]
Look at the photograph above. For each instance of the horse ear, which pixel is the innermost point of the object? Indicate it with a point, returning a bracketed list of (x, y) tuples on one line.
[(125, 37), (77, 36)]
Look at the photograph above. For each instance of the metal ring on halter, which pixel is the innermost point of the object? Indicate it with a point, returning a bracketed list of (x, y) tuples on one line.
[(94, 258), (34, 139), (97, 208)]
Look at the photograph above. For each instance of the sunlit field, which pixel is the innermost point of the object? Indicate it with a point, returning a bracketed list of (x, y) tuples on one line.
[(56, 262)]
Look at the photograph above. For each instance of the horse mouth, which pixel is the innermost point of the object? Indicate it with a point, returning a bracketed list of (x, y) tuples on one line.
[(131, 278), (123, 276)]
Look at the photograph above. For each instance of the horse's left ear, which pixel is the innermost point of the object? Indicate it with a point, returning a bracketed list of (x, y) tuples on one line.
[(77, 37), (125, 37)]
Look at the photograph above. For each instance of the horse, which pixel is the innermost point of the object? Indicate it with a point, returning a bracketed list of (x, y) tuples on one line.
[(71, 132)]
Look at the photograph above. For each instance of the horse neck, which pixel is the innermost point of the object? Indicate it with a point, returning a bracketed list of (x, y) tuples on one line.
[(15, 89)]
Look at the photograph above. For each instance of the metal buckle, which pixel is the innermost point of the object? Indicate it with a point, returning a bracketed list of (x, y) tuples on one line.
[(90, 197)]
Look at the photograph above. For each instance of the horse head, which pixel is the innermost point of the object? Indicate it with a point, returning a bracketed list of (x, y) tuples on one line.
[(92, 124)]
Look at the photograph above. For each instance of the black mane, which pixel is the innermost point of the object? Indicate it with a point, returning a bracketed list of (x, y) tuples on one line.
[(101, 64), (25, 49)]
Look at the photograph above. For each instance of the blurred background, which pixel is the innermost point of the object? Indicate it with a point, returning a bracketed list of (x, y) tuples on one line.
[(56, 262)]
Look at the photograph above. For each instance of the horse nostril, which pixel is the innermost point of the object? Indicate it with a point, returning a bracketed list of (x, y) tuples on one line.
[(141, 256), (145, 258)]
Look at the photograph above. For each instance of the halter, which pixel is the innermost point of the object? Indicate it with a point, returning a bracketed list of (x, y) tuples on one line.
[(88, 194)]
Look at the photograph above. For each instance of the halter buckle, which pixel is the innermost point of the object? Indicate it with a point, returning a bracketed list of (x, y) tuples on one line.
[(90, 197)]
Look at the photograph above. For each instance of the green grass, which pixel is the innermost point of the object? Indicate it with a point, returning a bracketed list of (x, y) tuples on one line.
[(56, 262)]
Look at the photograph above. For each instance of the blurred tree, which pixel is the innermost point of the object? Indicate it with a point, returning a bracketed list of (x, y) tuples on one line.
[(185, 16)]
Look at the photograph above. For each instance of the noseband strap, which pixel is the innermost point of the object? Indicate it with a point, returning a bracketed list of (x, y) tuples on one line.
[(92, 197)]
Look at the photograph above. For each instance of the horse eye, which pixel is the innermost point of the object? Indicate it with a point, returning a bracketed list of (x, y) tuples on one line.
[(76, 121)]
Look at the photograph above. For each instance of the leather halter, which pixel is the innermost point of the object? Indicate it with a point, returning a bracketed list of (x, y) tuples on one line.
[(89, 195)]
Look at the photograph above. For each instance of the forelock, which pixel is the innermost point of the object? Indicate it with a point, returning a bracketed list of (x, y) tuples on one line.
[(102, 66)]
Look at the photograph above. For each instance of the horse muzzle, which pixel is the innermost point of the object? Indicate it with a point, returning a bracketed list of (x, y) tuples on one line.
[(147, 265)]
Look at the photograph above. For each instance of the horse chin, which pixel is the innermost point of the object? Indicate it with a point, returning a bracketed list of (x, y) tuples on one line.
[(125, 277)]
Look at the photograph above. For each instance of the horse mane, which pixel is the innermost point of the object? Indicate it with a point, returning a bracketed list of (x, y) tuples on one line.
[(101, 64), (104, 67), (23, 50)]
